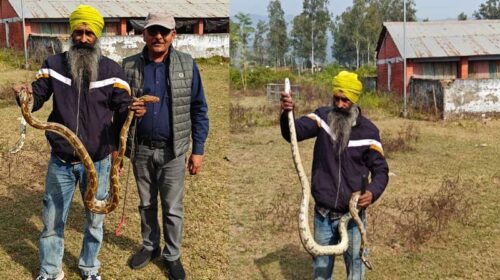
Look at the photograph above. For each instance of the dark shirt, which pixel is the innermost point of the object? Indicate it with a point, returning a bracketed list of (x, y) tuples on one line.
[(96, 115), (157, 122), (334, 178)]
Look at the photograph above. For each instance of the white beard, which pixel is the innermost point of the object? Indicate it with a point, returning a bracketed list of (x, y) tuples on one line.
[(83, 65), (341, 125)]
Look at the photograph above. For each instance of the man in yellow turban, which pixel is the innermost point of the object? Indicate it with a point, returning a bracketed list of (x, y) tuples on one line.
[(347, 149), (87, 16), (91, 98), (347, 83)]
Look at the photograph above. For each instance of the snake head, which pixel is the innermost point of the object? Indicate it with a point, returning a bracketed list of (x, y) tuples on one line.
[(25, 98)]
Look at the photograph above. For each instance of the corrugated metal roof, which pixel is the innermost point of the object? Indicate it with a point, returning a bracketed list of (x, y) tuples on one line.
[(435, 39), (38, 9)]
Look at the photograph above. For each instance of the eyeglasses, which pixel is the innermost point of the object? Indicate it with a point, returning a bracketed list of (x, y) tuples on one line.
[(155, 29), (340, 98)]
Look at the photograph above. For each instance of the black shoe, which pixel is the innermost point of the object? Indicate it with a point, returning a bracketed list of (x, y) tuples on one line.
[(175, 270), (141, 258)]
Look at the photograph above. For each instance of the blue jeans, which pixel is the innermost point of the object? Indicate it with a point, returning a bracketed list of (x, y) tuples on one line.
[(326, 233), (60, 185)]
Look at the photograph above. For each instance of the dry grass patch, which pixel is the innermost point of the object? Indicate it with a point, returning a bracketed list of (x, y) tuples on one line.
[(204, 248), (431, 223)]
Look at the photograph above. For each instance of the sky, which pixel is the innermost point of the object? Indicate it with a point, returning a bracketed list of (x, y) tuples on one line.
[(431, 9)]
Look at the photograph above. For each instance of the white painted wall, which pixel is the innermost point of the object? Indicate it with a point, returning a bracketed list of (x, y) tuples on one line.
[(205, 46), (471, 97), (119, 47)]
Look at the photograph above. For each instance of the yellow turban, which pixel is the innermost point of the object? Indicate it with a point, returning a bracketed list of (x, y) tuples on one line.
[(348, 83), (89, 16)]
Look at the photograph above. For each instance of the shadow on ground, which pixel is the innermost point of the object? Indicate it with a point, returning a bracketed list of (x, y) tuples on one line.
[(294, 263)]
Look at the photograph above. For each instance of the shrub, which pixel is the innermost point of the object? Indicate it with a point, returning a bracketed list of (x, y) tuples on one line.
[(259, 77), (244, 119), (403, 142), (11, 58), (234, 79), (412, 221), (379, 101), (214, 60)]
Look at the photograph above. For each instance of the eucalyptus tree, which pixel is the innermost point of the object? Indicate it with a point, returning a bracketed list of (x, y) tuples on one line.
[(488, 10), (309, 32), (242, 37), (260, 46), (355, 32), (277, 36)]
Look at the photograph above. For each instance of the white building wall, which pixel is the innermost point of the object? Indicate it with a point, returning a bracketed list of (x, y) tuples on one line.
[(471, 97), (119, 47), (205, 46)]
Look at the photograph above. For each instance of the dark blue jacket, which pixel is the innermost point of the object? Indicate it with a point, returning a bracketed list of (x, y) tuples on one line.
[(363, 155), (95, 115)]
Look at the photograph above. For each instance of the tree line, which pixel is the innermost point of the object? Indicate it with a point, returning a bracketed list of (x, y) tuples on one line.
[(355, 33)]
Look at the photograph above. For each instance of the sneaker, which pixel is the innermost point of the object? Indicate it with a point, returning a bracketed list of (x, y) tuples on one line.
[(175, 270), (59, 276), (141, 258), (92, 276)]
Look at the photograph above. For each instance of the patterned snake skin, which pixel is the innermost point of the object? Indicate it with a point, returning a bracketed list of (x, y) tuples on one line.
[(94, 205), (22, 136)]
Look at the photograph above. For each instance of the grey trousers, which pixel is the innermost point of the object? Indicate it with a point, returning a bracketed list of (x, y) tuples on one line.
[(158, 170)]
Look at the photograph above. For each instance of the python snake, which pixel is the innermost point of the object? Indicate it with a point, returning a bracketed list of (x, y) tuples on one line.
[(22, 136), (93, 204), (306, 237)]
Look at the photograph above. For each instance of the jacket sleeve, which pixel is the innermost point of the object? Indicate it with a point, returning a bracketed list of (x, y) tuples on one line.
[(199, 113), (119, 102), (42, 87), (305, 127), (379, 169)]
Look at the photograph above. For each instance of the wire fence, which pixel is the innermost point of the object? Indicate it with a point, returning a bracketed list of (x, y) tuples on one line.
[(273, 91)]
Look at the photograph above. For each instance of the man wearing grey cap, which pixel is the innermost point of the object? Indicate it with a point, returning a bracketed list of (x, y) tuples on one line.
[(162, 138)]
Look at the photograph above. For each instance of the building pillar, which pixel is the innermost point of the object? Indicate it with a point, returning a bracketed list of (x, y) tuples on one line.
[(409, 74), (123, 27), (198, 27), (464, 68), (7, 34), (409, 71)]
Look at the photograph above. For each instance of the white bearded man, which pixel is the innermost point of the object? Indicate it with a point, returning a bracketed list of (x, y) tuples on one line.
[(91, 98), (347, 148)]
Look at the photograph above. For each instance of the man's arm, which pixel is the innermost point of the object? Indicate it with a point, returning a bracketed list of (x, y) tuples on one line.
[(41, 88), (379, 169), (199, 122), (119, 104), (305, 127)]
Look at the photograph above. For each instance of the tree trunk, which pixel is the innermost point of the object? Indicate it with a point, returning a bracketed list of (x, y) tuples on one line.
[(312, 48), (357, 54)]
